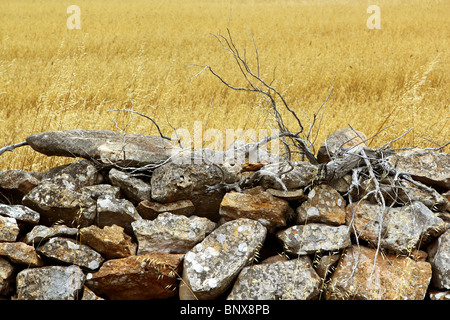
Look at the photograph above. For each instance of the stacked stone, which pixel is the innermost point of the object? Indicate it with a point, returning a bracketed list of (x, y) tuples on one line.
[(100, 229)]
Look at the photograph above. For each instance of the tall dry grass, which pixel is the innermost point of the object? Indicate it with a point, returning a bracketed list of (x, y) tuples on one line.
[(143, 54)]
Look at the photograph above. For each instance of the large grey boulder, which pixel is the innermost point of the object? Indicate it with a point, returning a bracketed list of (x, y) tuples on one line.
[(213, 264), (9, 229), (282, 280), (312, 237), (20, 213), (171, 233), (135, 190), (50, 283), (301, 175), (104, 146), (120, 212), (439, 257), (427, 166), (71, 252), (401, 229), (172, 182), (41, 233), (340, 139)]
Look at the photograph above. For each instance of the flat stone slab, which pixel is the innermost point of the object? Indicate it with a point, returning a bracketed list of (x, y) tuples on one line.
[(103, 145), (427, 166), (213, 264), (282, 280), (391, 277), (50, 283), (312, 237)]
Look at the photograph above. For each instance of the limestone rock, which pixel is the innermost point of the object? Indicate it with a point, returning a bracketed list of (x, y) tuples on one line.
[(238, 149), (9, 229), (14, 184), (105, 146), (80, 173), (284, 280), (88, 294), (212, 265), (150, 209), (172, 182), (7, 273), (120, 212), (312, 237), (136, 190), (111, 242), (395, 277), (61, 203), (144, 277), (439, 257), (41, 233), (20, 213), (427, 166), (402, 229), (255, 204), (403, 193), (439, 294), (71, 252), (99, 190), (340, 139), (171, 233), (21, 253), (302, 174), (324, 205), (289, 195), (325, 264), (50, 283)]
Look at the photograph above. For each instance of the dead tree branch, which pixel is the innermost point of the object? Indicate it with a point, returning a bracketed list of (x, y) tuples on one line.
[(12, 147)]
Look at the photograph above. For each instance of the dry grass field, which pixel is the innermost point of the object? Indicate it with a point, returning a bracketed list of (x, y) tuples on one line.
[(145, 55)]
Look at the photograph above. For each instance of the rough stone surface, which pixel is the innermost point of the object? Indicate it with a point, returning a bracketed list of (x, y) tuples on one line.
[(284, 280), (9, 230), (439, 257), (255, 204), (111, 242), (144, 277), (289, 195), (430, 167), (150, 209), (302, 174), (325, 265), (71, 252), (312, 237), (14, 184), (7, 273), (439, 295), (50, 283), (171, 233), (59, 203), (340, 139), (20, 213), (135, 190), (212, 265), (41, 233), (20, 253), (105, 146), (402, 229), (120, 212), (100, 190), (172, 182), (394, 278), (324, 205)]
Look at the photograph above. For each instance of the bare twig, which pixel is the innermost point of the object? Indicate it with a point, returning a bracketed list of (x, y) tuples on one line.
[(12, 147)]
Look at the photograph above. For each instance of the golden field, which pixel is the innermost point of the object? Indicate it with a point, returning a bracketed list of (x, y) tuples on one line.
[(147, 55)]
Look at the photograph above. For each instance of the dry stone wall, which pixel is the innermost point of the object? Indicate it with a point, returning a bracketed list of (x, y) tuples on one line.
[(98, 228)]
